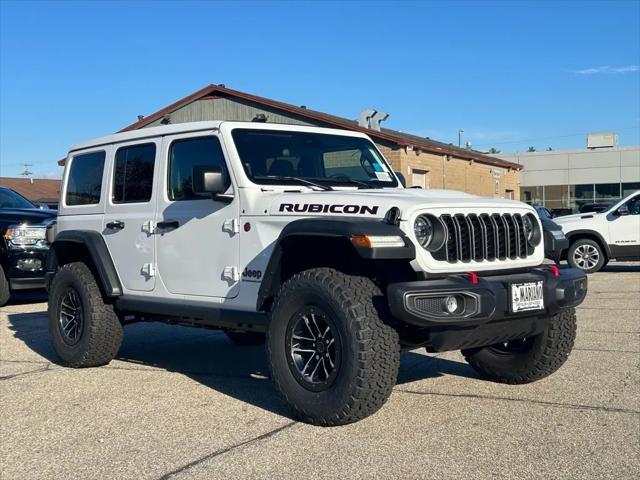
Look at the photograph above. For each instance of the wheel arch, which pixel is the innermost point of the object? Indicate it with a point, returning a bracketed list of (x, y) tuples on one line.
[(89, 247), (576, 235), (314, 243)]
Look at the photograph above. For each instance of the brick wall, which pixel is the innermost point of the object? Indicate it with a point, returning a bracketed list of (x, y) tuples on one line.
[(453, 173)]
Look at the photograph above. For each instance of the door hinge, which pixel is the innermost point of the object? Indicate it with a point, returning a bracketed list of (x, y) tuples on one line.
[(231, 273), (148, 227), (231, 225), (148, 270)]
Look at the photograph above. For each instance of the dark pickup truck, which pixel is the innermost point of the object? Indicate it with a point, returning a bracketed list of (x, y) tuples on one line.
[(23, 244)]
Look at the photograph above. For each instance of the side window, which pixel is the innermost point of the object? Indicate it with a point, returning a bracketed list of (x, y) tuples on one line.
[(189, 153), (634, 205), (133, 173), (84, 184)]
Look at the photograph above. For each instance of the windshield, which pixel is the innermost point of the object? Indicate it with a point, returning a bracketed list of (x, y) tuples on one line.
[(11, 199), (279, 157)]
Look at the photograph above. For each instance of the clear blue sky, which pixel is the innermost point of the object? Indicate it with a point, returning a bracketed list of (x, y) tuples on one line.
[(511, 74)]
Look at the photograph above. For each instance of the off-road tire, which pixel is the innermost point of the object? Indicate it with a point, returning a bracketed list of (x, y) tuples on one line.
[(245, 339), (102, 331), (586, 242), (5, 291), (546, 354), (370, 351)]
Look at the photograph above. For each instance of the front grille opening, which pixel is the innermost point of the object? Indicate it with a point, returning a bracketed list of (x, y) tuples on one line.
[(484, 237)]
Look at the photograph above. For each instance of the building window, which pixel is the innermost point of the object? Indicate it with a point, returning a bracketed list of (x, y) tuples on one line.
[(508, 194), (189, 153), (532, 195), (419, 178), (607, 191), (84, 183), (133, 173), (629, 188)]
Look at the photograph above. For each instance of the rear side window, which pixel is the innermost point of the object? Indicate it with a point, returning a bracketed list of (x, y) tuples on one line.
[(133, 173), (189, 153), (84, 184)]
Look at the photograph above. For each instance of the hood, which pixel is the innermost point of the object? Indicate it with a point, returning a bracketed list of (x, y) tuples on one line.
[(576, 217), (31, 216), (376, 202)]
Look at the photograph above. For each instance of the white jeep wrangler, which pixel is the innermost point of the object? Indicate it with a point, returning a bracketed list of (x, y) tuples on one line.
[(307, 235)]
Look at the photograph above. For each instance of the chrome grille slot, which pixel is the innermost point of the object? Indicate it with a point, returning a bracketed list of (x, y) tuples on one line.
[(483, 237)]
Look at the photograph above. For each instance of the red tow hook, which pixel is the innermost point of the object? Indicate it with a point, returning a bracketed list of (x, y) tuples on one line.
[(473, 278), (555, 271)]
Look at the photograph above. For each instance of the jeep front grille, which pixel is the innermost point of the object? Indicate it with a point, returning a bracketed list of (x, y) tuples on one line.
[(483, 237)]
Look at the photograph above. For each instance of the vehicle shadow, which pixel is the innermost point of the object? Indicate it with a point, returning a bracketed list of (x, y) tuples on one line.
[(622, 267), (211, 359)]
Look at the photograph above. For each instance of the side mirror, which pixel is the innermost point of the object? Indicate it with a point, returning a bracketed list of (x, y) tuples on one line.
[(208, 180), (623, 210), (403, 180)]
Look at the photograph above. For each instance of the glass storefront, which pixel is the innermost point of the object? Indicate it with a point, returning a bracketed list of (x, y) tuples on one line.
[(567, 199)]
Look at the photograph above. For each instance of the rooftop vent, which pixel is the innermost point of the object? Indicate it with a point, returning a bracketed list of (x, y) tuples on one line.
[(602, 140), (370, 118)]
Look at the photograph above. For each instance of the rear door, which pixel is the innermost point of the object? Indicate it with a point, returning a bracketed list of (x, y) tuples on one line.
[(129, 213), (197, 237)]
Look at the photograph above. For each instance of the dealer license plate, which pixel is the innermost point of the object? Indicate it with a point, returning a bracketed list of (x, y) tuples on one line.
[(527, 296)]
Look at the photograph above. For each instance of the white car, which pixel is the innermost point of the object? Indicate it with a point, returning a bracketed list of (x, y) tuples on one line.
[(307, 235), (596, 238)]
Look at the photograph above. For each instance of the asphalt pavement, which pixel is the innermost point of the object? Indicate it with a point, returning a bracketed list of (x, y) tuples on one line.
[(185, 403)]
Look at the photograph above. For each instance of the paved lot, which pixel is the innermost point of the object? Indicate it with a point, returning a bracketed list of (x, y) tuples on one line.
[(184, 403)]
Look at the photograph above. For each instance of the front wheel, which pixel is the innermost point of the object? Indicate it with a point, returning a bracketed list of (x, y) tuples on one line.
[(332, 357), (586, 255), (529, 359), (85, 331), (5, 291)]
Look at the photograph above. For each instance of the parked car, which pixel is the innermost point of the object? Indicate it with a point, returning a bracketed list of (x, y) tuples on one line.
[(306, 234), (596, 207), (23, 246), (595, 238)]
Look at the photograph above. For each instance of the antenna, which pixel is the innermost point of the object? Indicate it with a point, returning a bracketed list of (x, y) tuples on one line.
[(27, 172)]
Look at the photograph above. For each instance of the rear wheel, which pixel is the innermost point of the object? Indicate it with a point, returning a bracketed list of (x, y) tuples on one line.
[(5, 292), (332, 357), (85, 331), (528, 359), (586, 255)]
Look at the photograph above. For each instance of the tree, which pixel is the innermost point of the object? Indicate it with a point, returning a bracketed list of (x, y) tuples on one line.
[(494, 150), (531, 149)]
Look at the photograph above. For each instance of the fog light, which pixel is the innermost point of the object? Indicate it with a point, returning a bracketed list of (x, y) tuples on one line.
[(451, 304), (29, 264)]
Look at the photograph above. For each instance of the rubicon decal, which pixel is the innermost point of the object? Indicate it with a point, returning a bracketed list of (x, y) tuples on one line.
[(319, 208)]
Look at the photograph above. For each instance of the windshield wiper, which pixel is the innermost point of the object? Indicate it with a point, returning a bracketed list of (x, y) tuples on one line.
[(352, 181), (299, 180)]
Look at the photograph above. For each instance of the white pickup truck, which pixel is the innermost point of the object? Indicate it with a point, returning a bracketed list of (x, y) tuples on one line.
[(596, 238)]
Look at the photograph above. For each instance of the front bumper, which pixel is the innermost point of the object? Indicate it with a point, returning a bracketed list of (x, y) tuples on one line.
[(24, 267), (420, 303)]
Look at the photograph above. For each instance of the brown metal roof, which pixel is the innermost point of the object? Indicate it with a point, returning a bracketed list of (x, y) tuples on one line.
[(34, 189), (388, 135)]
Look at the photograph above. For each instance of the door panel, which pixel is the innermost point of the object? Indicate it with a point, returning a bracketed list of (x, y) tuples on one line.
[(624, 231), (198, 248), (130, 209)]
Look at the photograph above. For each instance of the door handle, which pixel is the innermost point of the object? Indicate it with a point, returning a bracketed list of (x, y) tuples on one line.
[(168, 224), (115, 225)]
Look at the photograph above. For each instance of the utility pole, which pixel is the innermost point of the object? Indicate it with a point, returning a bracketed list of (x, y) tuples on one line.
[(460, 132), (26, 172)]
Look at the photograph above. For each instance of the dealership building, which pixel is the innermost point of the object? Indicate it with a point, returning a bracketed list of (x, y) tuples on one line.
[(564, 180), (423, 162)]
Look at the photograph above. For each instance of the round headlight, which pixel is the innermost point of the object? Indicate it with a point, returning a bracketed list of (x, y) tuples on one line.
[(528, 227), (423, 230)]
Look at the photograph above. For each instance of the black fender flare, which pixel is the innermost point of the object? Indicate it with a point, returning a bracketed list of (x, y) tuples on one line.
[(98, 252), (577, 233), (333, 227)]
